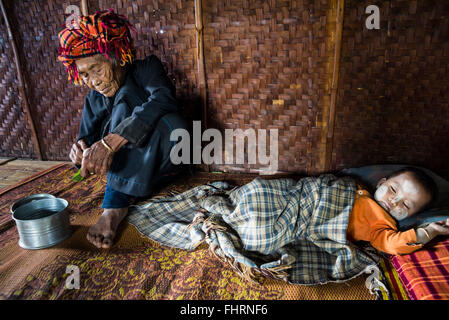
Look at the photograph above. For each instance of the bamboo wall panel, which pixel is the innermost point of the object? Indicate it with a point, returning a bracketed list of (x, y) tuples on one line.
[(163, 28), (15, 136), (393, 101), (54, 102), (268, 65), (266, 69)]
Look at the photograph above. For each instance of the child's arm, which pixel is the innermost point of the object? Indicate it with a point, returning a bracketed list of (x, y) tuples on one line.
[(424, 235), (392, 241)]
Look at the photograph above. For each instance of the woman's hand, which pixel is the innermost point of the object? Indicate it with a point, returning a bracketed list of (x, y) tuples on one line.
[(98, 158), (76, 153)]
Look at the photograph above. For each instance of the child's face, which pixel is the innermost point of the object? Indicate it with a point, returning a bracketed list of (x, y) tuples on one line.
[(401, 196)]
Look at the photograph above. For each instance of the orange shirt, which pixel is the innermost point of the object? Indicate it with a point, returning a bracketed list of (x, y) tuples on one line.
[(368, 221)]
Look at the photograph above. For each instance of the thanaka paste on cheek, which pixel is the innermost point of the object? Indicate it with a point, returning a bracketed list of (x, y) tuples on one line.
[(380, 192)]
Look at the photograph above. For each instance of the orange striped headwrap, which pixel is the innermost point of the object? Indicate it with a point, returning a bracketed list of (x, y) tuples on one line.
[(104, 32)]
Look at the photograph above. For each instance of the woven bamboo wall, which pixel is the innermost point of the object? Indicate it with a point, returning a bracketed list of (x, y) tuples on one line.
[(54, 102), (15, 135), (163, 28), (266, 69), (268, 65), (393, 101)]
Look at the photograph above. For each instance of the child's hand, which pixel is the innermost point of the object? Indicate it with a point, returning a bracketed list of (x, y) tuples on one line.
[(439, 228)]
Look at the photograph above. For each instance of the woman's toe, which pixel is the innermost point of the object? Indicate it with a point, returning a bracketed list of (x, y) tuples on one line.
[(91, 238), (107, 243), (98, 240)]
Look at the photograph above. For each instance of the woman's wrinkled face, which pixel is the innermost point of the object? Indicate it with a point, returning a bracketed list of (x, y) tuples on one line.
[(99, 74), (401, 195)]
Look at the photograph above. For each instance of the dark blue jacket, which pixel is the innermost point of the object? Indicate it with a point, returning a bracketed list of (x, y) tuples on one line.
[(143, 111), (146, 96)]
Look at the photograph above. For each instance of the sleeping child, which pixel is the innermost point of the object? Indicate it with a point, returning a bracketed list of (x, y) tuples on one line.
[(403, 194), (307, 231)]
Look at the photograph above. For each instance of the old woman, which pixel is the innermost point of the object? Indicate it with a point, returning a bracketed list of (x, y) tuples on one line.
[(127, 118)]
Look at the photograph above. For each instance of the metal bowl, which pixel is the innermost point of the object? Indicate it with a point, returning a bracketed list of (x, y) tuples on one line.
[(42, 223), (30, 198)]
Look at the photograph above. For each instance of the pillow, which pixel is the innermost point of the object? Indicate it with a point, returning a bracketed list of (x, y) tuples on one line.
[(370, 175)]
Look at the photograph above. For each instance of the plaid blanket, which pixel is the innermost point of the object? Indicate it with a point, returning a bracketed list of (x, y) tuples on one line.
[(282, 228)]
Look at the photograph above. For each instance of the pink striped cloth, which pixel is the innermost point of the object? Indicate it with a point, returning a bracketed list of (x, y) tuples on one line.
[(425, 273)]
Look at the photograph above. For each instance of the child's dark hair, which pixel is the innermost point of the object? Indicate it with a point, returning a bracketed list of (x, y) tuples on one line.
[(424, 179)]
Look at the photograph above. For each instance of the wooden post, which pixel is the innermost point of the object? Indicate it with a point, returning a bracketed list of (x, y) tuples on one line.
[(334, 84), (200, 57), (84, 8), (200, 63), (21, 84)]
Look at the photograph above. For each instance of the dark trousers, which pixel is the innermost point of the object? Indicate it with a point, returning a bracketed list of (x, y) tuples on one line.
[(136, 172)]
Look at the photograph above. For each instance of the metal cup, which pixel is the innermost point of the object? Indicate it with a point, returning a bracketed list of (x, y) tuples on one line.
[(30, 198), (42, 222)]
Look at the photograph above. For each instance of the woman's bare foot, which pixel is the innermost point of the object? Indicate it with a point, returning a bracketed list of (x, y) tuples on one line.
[(102, 233)]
